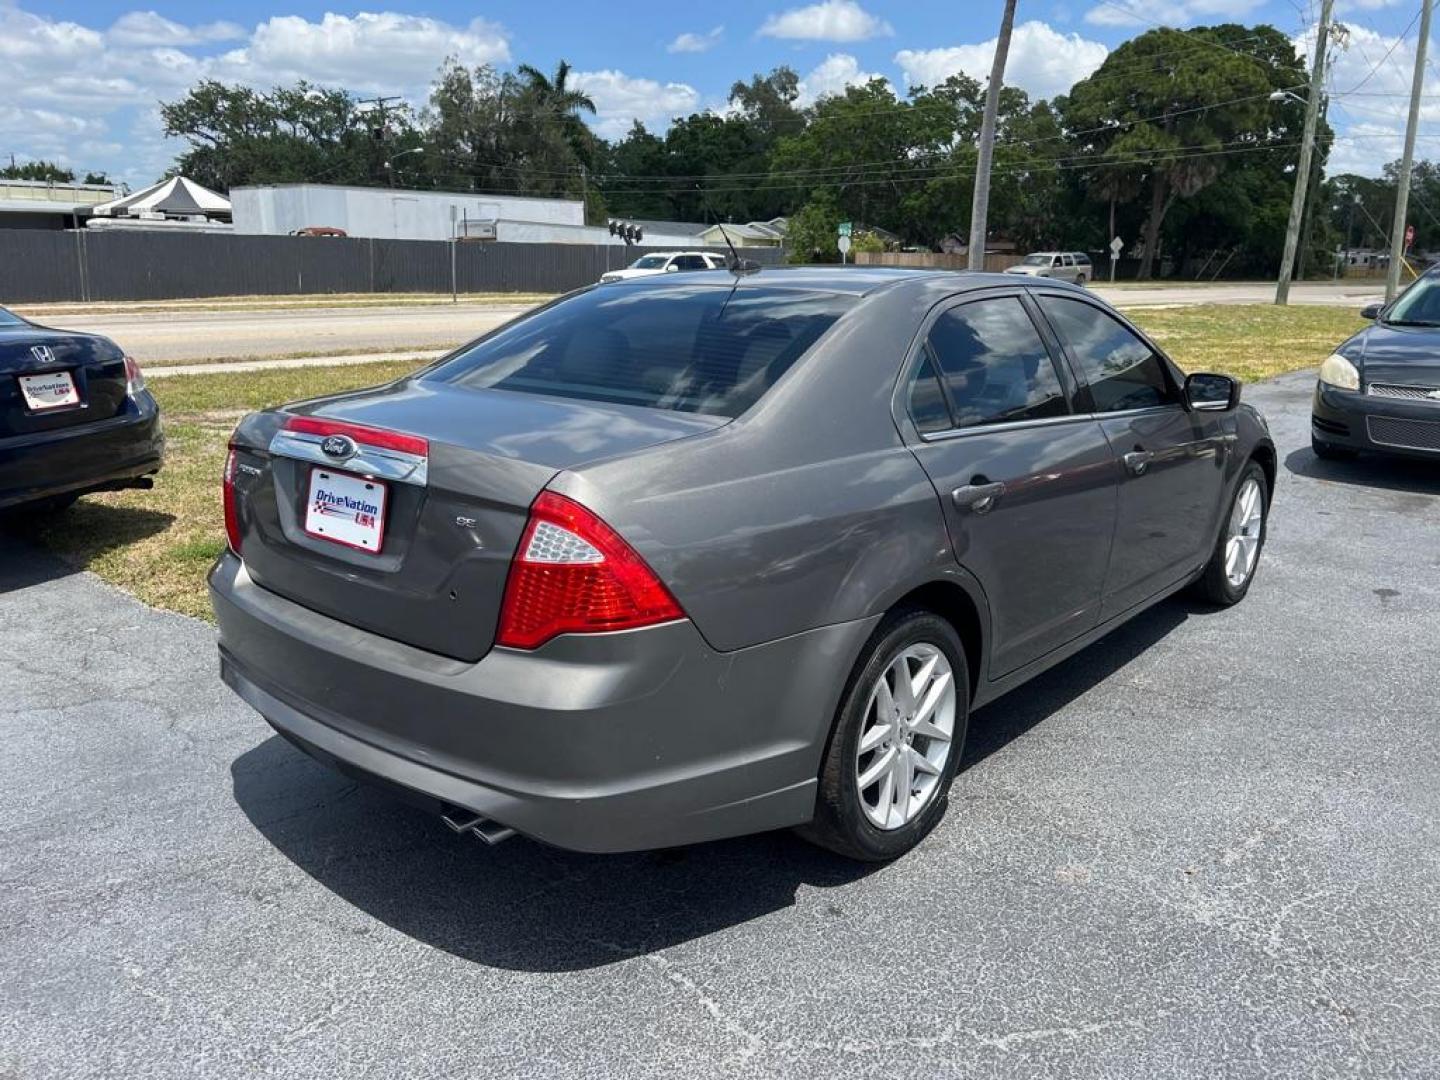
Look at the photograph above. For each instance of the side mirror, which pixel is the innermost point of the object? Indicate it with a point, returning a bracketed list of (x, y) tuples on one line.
[(672, 269), (1371, 311), (1212, 393)]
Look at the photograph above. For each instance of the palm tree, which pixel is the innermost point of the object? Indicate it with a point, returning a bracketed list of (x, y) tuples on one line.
[(551, 106)]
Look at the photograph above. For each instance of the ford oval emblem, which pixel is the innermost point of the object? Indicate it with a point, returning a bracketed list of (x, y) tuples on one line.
[(339, 447)]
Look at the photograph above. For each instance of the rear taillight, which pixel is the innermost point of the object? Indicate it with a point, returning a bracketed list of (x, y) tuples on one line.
[(573, 574), (232, 516), (134, 377)]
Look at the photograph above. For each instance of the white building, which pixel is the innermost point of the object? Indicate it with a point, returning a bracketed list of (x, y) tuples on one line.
[(397, 214)]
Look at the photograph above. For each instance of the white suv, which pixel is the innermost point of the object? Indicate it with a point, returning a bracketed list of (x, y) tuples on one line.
[(666, 262)]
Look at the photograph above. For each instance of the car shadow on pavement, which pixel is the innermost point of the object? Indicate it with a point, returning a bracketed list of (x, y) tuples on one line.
[(996, 725), (83, 533), (524, 906), (1407, 475)]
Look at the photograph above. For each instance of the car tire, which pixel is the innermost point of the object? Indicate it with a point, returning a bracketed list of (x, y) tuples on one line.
[(844, 814), (1329, 451), (1219, 582)]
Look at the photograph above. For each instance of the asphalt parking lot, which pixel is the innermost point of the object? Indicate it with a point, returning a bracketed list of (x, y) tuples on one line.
[(1209, 845)]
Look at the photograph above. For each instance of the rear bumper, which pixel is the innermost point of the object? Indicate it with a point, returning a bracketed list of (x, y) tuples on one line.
[(601, 743), (1360, 421), (106, 454)]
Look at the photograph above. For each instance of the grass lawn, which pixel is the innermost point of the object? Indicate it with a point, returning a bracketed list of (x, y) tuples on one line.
[(158, 544)]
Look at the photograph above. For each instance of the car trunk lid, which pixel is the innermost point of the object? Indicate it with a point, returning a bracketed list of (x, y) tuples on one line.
[(456, 469), (38, 369)]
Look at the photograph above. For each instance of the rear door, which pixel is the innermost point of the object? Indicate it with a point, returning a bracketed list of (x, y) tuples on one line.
[(1172, 460), (1068, 272), (1027, 483)]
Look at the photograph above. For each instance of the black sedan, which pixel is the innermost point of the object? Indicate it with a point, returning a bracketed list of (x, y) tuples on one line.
[(74, 417), (1380, 390)]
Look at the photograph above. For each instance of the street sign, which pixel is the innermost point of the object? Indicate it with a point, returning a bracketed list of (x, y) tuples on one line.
[(1116, 246), (844, 245), (1409, 236), (844, 228)]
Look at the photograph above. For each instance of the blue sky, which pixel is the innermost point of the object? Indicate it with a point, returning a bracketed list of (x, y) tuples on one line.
[(79, 79)]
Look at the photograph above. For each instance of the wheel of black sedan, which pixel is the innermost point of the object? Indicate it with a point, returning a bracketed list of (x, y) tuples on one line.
[(897, 741), (1231, 569)]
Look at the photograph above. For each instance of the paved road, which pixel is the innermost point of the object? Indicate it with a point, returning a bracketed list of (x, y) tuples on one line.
[(196, 336), (1208, 846), (181, 335)]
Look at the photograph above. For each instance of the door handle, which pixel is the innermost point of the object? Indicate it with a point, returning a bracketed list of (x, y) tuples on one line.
[(977, 498), (1137, 461)]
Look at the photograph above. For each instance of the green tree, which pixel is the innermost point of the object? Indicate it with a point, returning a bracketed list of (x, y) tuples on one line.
[(814, 230), (1164, 114), (39, 170), (238, 135)]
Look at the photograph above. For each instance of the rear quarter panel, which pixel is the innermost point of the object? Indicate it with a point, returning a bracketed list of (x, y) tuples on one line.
[(806, 511)]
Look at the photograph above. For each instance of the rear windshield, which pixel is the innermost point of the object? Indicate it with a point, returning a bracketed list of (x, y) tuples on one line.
[(696, 348)]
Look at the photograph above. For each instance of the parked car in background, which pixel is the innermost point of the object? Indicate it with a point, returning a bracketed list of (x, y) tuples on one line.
[(1380, 390), (666, 262), (1072, 266), (683, 558), (319, 230), (74, 417)]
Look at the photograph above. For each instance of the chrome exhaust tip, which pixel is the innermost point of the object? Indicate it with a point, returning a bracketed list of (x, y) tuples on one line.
[(467, 821)]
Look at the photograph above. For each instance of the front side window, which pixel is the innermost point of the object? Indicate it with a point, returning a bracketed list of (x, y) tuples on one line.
[(691, 348), (994, 365), (1123, 371)]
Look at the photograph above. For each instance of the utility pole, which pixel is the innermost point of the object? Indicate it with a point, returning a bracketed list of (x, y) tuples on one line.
[(980, 205), (1407, 160), (381, 133), (1307, 149)]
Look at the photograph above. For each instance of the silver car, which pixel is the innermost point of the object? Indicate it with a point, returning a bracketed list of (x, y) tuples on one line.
[(1072, 266), (706, 554)]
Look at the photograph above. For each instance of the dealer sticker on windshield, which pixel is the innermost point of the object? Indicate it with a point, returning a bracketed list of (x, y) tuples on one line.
[(346, 509), (52, 391)]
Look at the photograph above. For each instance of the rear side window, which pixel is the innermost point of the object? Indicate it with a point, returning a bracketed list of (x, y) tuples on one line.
[(691, 262), (691, 348), (994, 365), (927, 400), (1123, 371)]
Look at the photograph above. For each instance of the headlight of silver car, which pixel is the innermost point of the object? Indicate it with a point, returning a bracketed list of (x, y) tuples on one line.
[(1339, 372)]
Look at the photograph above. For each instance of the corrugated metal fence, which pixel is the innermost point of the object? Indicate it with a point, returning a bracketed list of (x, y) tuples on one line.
[(38, 265)]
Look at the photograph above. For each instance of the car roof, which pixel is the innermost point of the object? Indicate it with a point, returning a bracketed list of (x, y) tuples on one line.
[(849, 280)]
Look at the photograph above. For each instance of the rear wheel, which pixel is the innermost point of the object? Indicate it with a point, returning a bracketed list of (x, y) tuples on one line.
[(897, 741), (1231, 569), (1329, 451)]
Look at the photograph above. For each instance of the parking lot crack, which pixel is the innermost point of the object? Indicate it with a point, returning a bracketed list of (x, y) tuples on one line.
[(751, 1042)]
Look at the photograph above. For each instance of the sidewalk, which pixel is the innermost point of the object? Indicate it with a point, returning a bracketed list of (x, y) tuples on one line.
[(418, 355)]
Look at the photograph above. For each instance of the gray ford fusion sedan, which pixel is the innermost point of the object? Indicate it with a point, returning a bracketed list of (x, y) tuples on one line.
[(694, 556)]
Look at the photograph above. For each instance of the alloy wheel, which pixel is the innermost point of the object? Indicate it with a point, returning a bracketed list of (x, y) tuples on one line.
[(905, 736), (1247, 522)]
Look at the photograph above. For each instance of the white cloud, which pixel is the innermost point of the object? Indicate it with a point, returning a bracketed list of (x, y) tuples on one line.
[(831, 76), (368, 51), (69, 92), (1138, 14), (142, 28), (831, 20), (1043, 62), (696, 43), (621, 99)]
